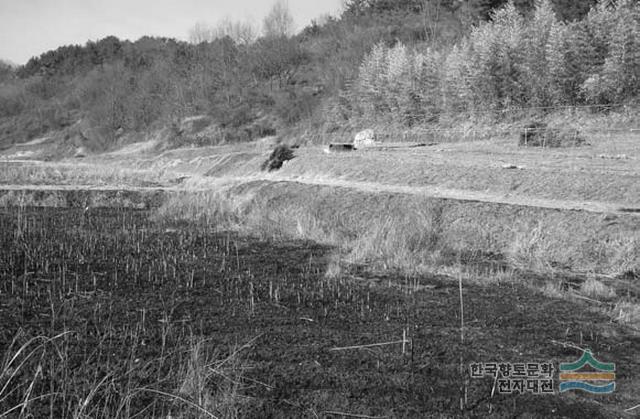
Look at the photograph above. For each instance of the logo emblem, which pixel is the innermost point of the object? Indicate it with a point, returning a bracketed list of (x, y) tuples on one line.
[(599, 381)]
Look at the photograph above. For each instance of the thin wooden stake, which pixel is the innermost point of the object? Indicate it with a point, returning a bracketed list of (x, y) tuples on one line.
[(371, 345), (461, 310), (404, 340), (463, 395)]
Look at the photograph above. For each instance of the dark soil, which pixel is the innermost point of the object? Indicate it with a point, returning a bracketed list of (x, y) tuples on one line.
[(131, 295)]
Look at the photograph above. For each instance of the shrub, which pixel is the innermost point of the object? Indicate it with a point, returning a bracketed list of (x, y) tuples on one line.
[(279, 155)]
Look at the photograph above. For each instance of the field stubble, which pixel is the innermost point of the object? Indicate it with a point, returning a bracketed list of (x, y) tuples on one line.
[(111, 313)]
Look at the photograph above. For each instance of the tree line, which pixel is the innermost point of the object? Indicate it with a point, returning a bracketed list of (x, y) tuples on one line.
[(407, 60), (511, 61)]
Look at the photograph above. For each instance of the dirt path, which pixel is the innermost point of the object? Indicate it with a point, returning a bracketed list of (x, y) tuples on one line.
[(452, 194), (371, 187)]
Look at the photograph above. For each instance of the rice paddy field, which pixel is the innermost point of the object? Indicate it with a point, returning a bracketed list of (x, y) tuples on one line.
[(189, 283), (112, 313)]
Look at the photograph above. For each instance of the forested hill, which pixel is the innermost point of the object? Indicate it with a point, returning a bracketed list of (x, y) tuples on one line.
[(411, 62), (75, 59)]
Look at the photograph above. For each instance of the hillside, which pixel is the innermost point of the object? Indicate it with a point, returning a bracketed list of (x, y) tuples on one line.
[(449, 61)]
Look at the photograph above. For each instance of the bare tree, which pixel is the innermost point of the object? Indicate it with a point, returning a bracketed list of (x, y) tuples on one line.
[(277, 59), (201, 32), (279, 21), (241, 32), (431, 11)]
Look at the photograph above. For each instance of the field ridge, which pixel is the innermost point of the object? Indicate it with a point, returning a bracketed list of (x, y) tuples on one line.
[(366, 186)]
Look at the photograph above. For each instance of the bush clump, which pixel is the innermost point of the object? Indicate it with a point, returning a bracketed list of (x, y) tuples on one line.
[(279, 155)]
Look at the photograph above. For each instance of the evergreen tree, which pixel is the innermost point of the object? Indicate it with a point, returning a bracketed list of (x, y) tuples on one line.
[(622, 66), (539, 45)]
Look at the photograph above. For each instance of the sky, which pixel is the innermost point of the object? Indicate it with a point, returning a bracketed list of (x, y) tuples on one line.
[(30, 27)]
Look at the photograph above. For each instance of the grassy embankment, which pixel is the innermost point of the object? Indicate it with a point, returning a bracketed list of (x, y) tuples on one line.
[(450, 207), (401, 205), (562, 214)]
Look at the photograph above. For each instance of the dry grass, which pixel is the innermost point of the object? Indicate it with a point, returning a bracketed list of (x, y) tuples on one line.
[(79, 174), (457, 127), (396, 231), (531, 250), (572, 175), (625, 253), (605, 171), (212, 383), (58, 197), (367, 228), (23, 199), (553, 289), (208, 385), (334, 267), (390, 229), (386, 222), (596, 289), (628, 313)]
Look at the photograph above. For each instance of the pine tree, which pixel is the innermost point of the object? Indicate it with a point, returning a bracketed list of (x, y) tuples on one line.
[(427, 95), (611, 62), (457, 92), (622, 66), (371, 83), (538, 46), (496, 59)]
